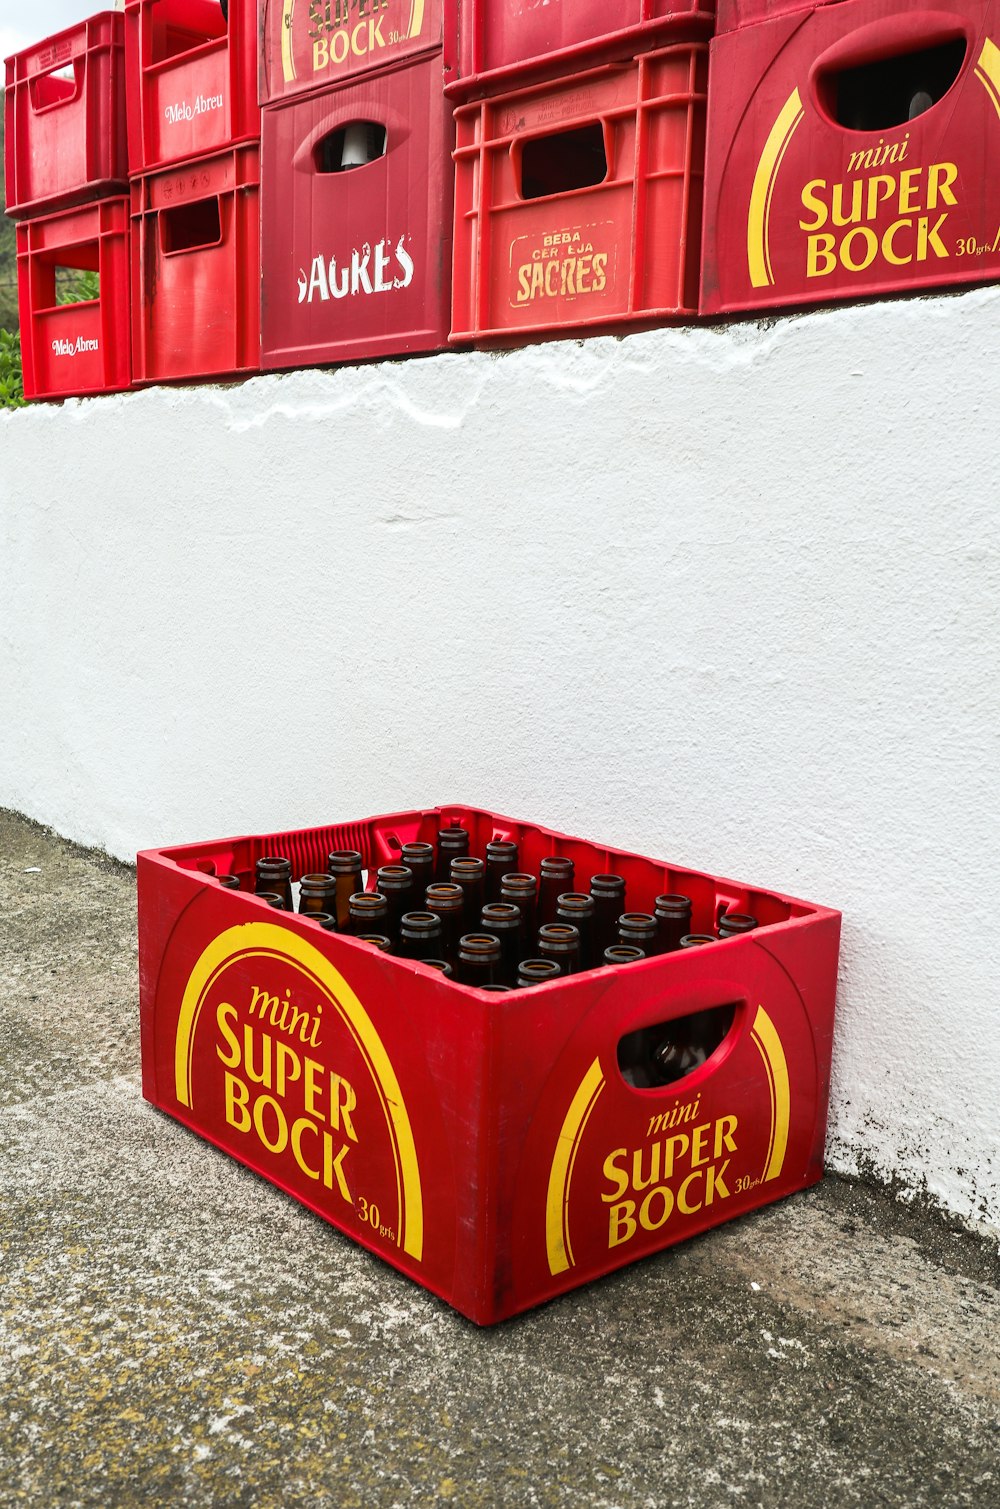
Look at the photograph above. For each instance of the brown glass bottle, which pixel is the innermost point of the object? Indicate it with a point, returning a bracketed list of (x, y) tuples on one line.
[(608, 892), (273, 899), (555, 876), (326, 920), (367, 913), (521, 890), (441, 965), (470, 874), (638, 930), (560, 941), (731, 924), (419, 858), (419, 935), (345, 866), (495, 989), (396, 884), (229, 882), (453, 843), (503, 920), (377, 940), (537, 972), (274, 875), (501, 858), (578, 910), (673, 921), (622, 953), (318, 893), (478, 959), (697, 940), (447, 901)]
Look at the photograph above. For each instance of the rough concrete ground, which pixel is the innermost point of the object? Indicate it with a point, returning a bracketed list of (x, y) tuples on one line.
[(173, 1331)]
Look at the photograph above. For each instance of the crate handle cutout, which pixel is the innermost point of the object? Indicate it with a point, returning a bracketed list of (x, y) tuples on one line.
[(657, 1056), (190, 227), (890, 73), (58, 279), (59, 86), (562, 161), (352, 145), (174, 40)]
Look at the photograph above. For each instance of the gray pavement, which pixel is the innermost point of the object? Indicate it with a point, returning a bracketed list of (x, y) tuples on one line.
[(173, 1331)]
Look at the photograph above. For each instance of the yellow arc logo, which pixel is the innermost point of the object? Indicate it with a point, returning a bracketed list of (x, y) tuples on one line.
[(414, 28)]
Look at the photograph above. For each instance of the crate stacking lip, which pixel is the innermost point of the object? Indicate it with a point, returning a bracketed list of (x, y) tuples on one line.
[(82, 348), (496, 44), (853, 151), (64, 129), (733, 14), (356, 263), (196, 268), (312, 44), (192, 79), (489, 1146), (578, 203)]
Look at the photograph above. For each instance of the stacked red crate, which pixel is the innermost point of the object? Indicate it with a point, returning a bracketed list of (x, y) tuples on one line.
[(66, 175), (356, 181), (579, 165), (194, 160)]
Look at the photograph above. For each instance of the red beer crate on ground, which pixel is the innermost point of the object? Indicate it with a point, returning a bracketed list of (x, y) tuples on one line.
[(311, 44), (196, 269), (72, 350), (732, 14), (64, 118), (578, 202), (496, 1148), (503, 42), (853, 150), (192, 79), (356, 262)]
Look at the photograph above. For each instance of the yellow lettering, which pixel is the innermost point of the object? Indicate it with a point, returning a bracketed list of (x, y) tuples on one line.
[(320, 55), (909, 192), (941, 177), (332, 1167), (870, 243), (725, 1135), (889, 243), (638, 1182), (699, 1136), (812, 201), (615, 1176), (313, 1089), (222, 1017), (929, 239), (839, 218), (281, 1133), (820, 260), (600, 272), (874, 197), (682, 1142), (299, 1129), (264, 1076), (647, 1220), (237, 1096), (287, 1057), (682, 1199), (622, 1227), (715, 1180), (342, 1103)]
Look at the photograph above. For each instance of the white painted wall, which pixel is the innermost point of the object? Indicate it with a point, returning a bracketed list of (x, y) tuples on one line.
[(728, 596)]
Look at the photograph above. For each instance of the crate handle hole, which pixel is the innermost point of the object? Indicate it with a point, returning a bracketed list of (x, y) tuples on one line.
[(666, 1052), (47, 91), (189, 227), (563, 161), (353, 145), (891, 90)]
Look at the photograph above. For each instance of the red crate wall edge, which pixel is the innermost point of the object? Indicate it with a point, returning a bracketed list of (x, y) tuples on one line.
[(820, 187), (306, 46), (64, 137), (196, 268), (357, 264), (75, 350), (192, 79), (732, 14), (498, 1157), (535, 256)]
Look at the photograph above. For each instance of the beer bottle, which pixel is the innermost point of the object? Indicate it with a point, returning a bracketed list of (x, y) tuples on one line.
[(318, 893), (537, 971), (419, 935), (453, 843), (440, 965), (229, 882), (520, 890), (696, 940), (377, 940), (470, 874), (578, 910), (420, 859), (395, 882), (560, 941), (345, 866), (622, 953), (503, 921), (367, 912), (325, 919), (501, 857), (731, 924), (274, 875), (673, 921), (555, 876), (478, 959), (273, 899), (447, 902), (638, 930), (495, 988), (608, 892)]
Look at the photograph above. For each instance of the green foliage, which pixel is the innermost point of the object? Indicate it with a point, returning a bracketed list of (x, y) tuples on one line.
[(11, 388), (8, 258), (78, 287)]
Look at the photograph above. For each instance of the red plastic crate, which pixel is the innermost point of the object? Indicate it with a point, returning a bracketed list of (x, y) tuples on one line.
[(819, 186), (64, 118), (501, 43), (192, 79), (488, 1146), (73, 350), (536, 254), (312, 44), (356, 264), (732, 14), (196, 269)]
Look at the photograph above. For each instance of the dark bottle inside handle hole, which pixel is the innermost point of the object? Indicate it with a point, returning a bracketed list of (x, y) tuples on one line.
[(668, 1051)]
